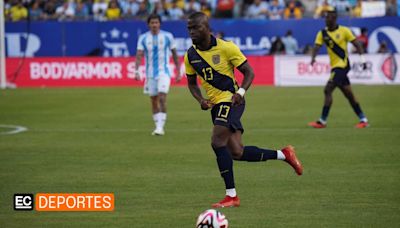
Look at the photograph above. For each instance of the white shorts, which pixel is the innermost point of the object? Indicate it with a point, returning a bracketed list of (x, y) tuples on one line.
[(154, 86)]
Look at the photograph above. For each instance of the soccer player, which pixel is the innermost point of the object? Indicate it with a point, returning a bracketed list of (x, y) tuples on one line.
[(336, 38), (156, 46), (214, 60)]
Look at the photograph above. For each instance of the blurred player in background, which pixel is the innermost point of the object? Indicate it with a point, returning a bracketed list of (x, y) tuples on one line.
[(214, 60), (336, 38), (156, 46)]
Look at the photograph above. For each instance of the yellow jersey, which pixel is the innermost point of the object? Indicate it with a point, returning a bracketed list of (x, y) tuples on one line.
[(215, 67), (336, 41), (18, 13)]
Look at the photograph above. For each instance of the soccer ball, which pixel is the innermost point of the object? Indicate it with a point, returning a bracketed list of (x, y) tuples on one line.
[(211, 219)]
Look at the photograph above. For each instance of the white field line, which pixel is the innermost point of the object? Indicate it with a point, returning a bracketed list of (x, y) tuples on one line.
[(14, 129)]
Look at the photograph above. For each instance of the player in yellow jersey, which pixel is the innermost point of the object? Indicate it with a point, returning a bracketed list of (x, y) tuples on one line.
[(214, 60), (336, 38)]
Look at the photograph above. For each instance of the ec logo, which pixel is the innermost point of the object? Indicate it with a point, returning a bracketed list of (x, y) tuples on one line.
[(23, 202)]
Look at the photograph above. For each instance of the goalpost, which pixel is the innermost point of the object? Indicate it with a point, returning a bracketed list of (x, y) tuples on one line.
[(3, 79)]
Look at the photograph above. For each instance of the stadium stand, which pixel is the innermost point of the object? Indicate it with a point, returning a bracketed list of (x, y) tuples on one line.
[(103, 10)]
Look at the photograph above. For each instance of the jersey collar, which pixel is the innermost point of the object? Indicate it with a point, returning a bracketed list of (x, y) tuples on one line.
[(213, 42)]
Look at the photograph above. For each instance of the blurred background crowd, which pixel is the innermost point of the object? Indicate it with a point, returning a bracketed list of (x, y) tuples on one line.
[(105, 10)]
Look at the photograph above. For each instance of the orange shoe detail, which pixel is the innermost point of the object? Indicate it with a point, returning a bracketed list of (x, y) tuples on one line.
[(317, 124), (362, 125), (291, 158), (228, 202)]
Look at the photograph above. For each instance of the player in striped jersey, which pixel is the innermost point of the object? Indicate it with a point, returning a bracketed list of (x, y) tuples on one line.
[(156, 46)]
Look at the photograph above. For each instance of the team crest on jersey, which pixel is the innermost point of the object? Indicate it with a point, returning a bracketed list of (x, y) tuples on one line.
[(216, 59), (337, 36)]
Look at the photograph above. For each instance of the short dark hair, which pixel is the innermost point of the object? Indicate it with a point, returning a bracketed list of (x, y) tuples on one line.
[(196, 15), (153, 16), (333, 11)]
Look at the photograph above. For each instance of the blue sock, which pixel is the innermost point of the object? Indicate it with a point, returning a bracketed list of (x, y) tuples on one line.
[(225, 165), (357, 109), (325, 112), (255, 154)]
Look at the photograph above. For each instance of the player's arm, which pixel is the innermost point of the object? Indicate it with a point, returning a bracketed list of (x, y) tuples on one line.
[(358, 46), (138, 61), (196, 92), (177, 65), (314, 53), (248, 76), (319, 41)]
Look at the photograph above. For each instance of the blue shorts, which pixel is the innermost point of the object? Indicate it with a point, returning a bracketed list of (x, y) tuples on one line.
[(339, 76), (224, 114)]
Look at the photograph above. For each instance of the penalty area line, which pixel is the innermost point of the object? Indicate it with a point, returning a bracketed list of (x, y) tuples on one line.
[(14, 129)]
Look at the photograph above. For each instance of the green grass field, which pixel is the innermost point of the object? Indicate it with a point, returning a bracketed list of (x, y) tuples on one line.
[(98, 140)]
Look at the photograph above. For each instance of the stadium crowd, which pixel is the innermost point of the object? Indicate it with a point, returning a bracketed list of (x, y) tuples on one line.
[(103, 10)]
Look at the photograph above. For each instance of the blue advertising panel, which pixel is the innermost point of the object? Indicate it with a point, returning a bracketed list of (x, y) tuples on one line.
[(254, 37)]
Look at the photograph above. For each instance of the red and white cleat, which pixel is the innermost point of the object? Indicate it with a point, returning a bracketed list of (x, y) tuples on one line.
[(317, 124), (362, 124), (228, 202), (291, 158)]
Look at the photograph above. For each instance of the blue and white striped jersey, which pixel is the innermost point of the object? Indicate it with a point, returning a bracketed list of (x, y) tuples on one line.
[(157, 51)]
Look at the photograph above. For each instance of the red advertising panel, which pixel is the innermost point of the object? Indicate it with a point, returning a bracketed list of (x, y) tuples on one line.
[(88, 71)]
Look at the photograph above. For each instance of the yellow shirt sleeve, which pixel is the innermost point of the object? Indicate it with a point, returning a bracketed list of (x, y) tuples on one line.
[(318, 39), (188, 68), (234, 54), (349, 35)]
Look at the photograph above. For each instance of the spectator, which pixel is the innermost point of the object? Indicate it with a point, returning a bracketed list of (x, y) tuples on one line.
[(35, 12), (383, 47), (277, 47), (292, 11), (363, 39), (129, 8), (142, 12), (205, 8), (81, 11), (290, 43), (113, 12), (66, 11), (49, 10), (224, 8), (322, 9), (257, 10), (160, 9), (99, 9), (192, 6), (342, 7), (391, 7), (357, 10), (18, 11), (276, 10), (175, 13)]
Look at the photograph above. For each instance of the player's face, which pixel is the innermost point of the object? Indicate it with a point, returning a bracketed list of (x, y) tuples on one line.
[(198, 31), (330, 19), (154, 25)]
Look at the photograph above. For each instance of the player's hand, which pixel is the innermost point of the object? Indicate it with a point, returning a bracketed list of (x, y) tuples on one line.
[(205, 104), (178, 77), (137, 75), (312, 61), (237, 99), (363, 62)]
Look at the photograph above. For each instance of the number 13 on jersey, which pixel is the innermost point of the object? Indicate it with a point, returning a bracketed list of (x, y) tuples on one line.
[(208, 74)]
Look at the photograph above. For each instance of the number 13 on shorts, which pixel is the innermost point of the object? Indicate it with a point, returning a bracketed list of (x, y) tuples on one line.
[(223, 111)]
